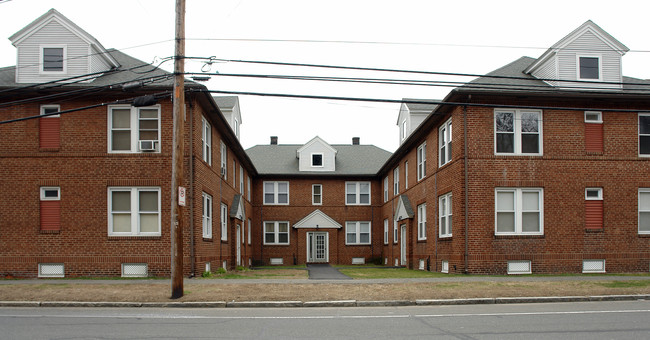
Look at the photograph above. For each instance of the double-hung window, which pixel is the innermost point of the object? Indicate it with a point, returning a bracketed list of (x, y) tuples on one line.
[(644, 211), (644, 135), (518, 132), (134, 211), (207, 216), (317, 194), (276, 232), (386, 189), (519, 211), (422, 161), (444, 143), (445, 215), (394, 231), (589, 68), (241, 179), (386, 231), (406, 175), (422, 221), (224, 222), (357, 232), (357, 193), (276, 193), (53, 59), (396, 181), (134, 129), (224, 161), (206, 141)]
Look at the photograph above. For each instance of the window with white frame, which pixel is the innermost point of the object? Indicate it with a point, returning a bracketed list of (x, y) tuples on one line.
[(422, 221), (394, 231), (403, 131), (224, 161), (396, 181), (317, 194), (224, 222), (133, 129), (206, 141), (234, 173), (518, 132), (134, 211), (50, 193), (406, 175), (594, 194), (248, 187), (644, 134), (49, 109), (317, 159), (589, 67), (422, 161), (519, 211), (644, 211), (241, 180), (593, 117), (53, 59), (276, 232), (386, 231), (444, 143), (386, 189), (357, 193), (207, 216), (276, 193), (445, 215), (357, 232), (250, 227)]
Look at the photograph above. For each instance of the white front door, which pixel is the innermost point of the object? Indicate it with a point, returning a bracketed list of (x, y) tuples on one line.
[(238, 245), (317, 247), (403, 245)]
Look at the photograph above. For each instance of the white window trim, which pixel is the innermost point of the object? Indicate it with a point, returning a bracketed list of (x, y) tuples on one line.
[(50, 106), (313, 194), (206, 216), (224, 222), (385, 189), (448, 197), (358, 233), (597, 121), (134, 128), (224, 161), (403, 130), (241, 179), (386, 231), (421, 157), (598, 198), (275, 192), (358, 193), (639, 211), (322, 160), (395, 232), (396, 181), (234, 174), (517, 132), (422, 222), (276, 233), (518, 211), (58, 194), (248, 187), (206, 141), (444, 140), (250, 226), (135, 212), (42, 61), (600, 66), (639, 134)]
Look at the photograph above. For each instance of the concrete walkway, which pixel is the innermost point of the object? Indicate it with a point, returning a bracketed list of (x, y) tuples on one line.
[(323, 271)]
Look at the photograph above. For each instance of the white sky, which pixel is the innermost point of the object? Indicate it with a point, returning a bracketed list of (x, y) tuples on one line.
[(451, 36)]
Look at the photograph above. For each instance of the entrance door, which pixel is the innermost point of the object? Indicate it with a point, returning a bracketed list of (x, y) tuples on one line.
[(403, 245), (238, 245), (317, 247)]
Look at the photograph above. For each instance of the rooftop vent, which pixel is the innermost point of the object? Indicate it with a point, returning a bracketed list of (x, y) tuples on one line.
[(274, 140)]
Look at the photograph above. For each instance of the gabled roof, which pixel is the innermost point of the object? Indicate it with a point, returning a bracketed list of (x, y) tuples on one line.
[(317, 219), (316, 140), (404, 208), (588, 26), (54, 15), (237, 208)]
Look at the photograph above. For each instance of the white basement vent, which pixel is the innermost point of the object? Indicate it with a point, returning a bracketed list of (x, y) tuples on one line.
[(275, 261), (445, 267), (593, 266), (135, 270), (208, 267), (519, 267), (51, 270), (421, 267), (358, 260), (396, 262)]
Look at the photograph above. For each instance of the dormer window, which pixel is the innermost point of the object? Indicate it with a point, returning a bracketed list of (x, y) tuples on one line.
[(589, 68), (317, 159), (53, 59)]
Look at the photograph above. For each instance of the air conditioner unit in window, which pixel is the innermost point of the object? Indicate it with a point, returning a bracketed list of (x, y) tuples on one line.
[(223, 171), (148, 145)]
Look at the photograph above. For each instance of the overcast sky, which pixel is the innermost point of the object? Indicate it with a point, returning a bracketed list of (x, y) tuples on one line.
[(453, 36)]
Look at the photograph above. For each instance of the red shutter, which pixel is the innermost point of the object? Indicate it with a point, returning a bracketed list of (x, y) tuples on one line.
[(50, 215), (594, 137), (594, 214), (49, 132)]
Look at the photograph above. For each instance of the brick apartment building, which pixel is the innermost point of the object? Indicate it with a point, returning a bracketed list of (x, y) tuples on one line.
[(546, 171)]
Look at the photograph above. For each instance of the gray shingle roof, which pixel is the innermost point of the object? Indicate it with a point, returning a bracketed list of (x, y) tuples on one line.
[(415, 107), (351, 160)]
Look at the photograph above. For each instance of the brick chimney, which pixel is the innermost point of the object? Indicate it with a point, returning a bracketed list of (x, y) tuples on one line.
[(355, 140), (274, 140)]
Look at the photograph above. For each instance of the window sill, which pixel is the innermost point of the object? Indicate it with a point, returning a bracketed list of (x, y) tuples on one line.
[(277, 244), (207, 239), (445, 238), (59, 231), (595, 230), (358, 244), (48, 149), (644, 235), (594, 153), (422, 240), (518, 236), (132, 237)]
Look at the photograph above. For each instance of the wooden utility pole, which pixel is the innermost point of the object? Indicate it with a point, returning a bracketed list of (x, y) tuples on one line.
[(178, 152)]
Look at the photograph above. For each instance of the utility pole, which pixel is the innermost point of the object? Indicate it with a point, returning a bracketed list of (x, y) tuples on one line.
[(178, 153)]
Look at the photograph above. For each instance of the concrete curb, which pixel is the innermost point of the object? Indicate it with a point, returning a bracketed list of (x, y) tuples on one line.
[(339, 303)]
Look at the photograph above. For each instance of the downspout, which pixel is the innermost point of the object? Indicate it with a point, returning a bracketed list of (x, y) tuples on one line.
[(191, 195), (435, 222), (465, 270)]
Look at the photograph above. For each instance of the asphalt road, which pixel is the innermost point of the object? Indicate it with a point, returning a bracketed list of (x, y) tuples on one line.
[(587, 320)]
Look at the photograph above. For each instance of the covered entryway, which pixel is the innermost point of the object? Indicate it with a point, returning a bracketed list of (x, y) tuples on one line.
[(317, 236), (402, 245), (403, 213), (317, 247)]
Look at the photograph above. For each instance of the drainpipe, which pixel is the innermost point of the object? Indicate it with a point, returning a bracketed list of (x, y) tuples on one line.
[(466, 271), (435, 222), (191, 195)]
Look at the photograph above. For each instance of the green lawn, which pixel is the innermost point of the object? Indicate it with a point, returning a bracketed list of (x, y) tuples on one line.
[(388, 273)]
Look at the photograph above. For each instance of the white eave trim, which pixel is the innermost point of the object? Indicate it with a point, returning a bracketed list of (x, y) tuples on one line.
[(304, 223)]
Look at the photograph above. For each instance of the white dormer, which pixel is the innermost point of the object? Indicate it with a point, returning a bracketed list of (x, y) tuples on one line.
[(411, 115), (586, 54), (52, 48), (229, 106), (316, 155)]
